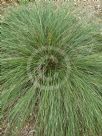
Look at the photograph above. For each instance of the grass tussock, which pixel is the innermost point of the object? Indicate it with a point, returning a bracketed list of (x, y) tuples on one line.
[(51, 71)]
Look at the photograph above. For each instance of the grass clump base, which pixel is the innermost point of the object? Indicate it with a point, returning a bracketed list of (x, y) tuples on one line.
[(51, 72)]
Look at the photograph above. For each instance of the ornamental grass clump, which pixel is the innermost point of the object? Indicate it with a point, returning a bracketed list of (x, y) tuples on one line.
[(51, 72)]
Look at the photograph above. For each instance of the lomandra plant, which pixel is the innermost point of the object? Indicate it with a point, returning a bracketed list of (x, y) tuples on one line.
[(51, 71)]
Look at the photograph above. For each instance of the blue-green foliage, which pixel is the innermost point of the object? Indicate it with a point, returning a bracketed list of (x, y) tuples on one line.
[(52, 71)]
